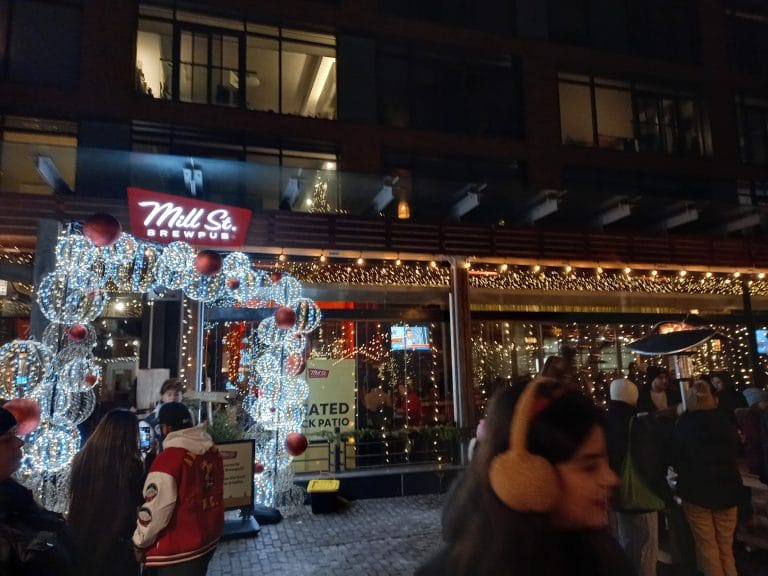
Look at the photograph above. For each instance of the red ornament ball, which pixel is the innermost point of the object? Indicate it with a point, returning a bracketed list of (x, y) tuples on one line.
[(276, 276), (295, 364), (258, 467), (207, 263), (77, 333), (102, 229), (26, 412), (296, 443), (233, 283), (285, 317), (90, 379)]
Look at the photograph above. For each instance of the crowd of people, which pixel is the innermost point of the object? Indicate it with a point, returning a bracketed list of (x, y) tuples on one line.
[(128, 514), (556, 485)]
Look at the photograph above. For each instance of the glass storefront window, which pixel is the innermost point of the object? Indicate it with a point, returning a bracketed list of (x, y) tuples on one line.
[(504, 350), (378, 389)]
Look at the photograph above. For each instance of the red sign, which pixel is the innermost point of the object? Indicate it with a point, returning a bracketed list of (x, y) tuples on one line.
[(165, 218), (318, 373)]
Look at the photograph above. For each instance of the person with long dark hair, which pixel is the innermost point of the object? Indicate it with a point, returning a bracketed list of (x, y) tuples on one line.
[(105, 491), (534, 499)]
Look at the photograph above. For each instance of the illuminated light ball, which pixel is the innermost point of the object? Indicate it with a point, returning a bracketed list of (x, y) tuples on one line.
[(233, 283), (102, 229), (91, 379), (296, 443), (295, 364), (258, 467), (276, 276), (285, 317), (77, 333), (26, 412), (208, 263)]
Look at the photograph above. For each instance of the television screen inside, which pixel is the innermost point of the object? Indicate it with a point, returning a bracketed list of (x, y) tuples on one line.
[(410, 338), (762, 341)]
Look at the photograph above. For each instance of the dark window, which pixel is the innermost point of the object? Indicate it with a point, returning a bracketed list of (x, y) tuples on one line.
[(430, 91), (653, 28), (664, 28), (752, 117), (749, 42), (487, 15), (569, 21), (437, 187), (44, 44)]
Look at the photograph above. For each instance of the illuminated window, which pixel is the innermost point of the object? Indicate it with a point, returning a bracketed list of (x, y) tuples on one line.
[(196, 58)]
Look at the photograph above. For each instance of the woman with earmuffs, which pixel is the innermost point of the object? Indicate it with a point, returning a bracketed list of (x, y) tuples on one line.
[(534, 500)]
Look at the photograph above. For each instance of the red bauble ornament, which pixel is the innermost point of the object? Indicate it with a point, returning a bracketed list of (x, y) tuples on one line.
[(296, 443), (207, 263), (233, 283), (295, 364), (285, 317), (90, 379), (258, 467), (77, 333), (26, 412), (102, 229), (276, 276)]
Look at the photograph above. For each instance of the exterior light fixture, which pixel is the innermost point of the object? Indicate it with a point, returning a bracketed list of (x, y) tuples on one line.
[(403, 210)]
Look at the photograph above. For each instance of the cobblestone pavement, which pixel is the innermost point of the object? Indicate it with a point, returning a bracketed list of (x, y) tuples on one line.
[(375, 537), (379, 537)]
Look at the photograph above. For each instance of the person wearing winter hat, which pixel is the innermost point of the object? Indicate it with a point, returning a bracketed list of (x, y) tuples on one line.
[(656, 395), (636, 531), (180, 522), (706, 445)]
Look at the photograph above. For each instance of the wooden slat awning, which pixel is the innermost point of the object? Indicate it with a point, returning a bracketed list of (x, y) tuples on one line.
[(338, 232)]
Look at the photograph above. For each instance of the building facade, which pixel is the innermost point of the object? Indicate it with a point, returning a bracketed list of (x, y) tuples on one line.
[(466, 186)]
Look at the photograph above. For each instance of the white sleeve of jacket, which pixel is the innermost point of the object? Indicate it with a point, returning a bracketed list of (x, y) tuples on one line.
[(160, 496)]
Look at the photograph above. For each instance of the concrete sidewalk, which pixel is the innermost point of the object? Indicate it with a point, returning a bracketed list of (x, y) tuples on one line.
[(375, 537)]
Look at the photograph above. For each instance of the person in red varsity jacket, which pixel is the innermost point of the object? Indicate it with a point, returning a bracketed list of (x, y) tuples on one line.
[(180, 522)]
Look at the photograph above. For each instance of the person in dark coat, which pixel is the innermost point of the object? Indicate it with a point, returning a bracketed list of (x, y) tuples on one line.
[(728, 398), (708, 480), (33, 541), (657, 396), (486, 535), (637, 530)]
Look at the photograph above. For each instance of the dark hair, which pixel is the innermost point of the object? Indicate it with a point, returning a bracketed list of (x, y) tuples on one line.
[(105, 485), (485, 533), (653, 372), (171, 384), (725, 377)]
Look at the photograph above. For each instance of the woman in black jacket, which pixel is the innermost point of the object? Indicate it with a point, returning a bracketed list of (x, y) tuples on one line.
[(708, 479)]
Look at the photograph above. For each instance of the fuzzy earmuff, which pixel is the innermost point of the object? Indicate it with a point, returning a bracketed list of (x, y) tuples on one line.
[(523, 481)]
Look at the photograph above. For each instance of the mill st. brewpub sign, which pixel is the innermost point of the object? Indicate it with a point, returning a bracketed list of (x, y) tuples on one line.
[(165, 218)]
